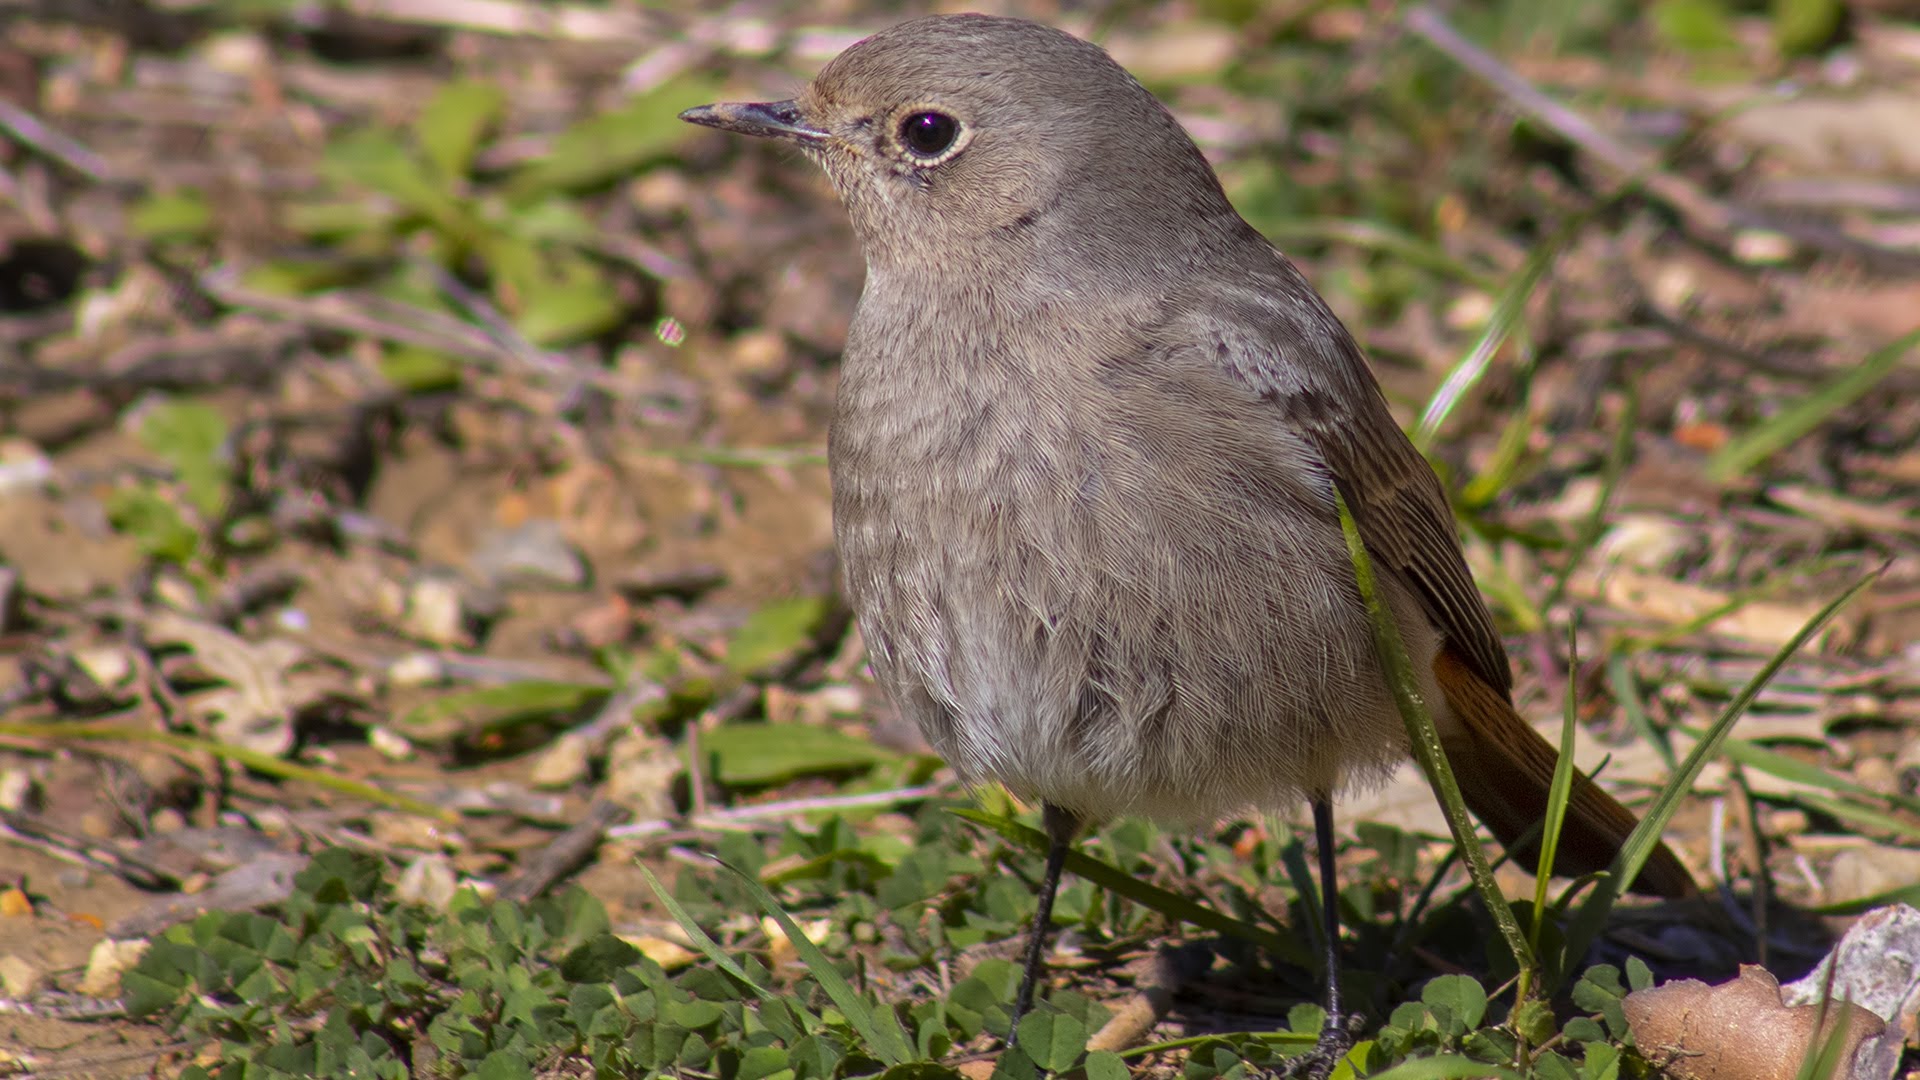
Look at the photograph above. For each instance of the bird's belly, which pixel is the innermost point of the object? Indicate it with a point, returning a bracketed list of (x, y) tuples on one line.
[(1107, 630)]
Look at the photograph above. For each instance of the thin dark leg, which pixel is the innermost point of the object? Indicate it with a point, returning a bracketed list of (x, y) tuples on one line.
[(1061, 827), (1329, 909), (1335, 1036)]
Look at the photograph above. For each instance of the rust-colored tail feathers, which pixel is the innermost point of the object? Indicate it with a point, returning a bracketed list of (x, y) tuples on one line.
[(1505, 770)]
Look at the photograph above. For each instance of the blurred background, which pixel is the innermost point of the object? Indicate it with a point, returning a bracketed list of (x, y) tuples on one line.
[(395, 390)]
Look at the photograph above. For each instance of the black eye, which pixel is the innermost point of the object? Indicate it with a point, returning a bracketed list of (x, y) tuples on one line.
[(928, 134)]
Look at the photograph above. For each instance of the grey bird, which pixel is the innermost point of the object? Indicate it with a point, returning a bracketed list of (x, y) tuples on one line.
[(1089, 432)]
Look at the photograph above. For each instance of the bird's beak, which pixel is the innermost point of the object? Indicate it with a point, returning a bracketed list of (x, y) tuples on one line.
[(766, 119)]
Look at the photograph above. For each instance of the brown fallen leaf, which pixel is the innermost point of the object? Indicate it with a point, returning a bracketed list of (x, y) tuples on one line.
[(1740, 1030)]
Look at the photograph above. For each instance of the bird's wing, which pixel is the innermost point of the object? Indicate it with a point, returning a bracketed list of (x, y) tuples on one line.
[(1272, 331)]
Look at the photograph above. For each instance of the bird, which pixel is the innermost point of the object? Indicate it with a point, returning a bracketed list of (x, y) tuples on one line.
[(1091, 434)]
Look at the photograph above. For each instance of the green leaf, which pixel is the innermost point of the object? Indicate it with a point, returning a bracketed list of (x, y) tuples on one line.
[(1602, 1062), (595, 960), (1803, 27), (174, 215), (559, 219), (1808, 411), (921, 1070), (763, 1063), (451, 126), (755, 753), (376, 161), (1053, 1040), (153, 522), (1014, 1064), (1462, 998), (574, 301), (293, 277), (1639, 976), (1695, 25), (469, 713), (615, 144), (1584, 1029), (1534, 1020), (191, 437), (504, 1065), (1447, 1067), (325, 219), (774, 634), (419, 371), (1106, 1065)]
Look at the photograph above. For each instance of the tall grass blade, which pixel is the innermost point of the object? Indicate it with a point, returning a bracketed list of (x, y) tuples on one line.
[(1635, 852), (1426, 744)]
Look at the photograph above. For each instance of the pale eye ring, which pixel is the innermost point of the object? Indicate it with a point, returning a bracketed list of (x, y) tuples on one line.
[(927, 133)]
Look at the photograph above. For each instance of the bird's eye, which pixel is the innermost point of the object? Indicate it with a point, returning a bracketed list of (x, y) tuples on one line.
[(928, 134)]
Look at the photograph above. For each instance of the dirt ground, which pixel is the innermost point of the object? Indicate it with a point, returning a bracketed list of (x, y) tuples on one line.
[(313, 488)]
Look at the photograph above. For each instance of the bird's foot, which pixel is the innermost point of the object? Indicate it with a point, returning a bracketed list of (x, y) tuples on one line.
[(1336, 1038)]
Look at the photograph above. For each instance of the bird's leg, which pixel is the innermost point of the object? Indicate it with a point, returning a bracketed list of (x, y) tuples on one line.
[(1336, 1037), (1061, 826)]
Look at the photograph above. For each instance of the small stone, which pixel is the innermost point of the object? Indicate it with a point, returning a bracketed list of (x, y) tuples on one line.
[(758, 354), (1866, 872), (105, 964), (534, 555), (18, 790), (390, 744), (1470, 311), (562, 765), (412, 833), (19, 978), (1762, 247), (1644, 541), (641, 767), (428, 881), (1788, 821), (436, 611), (416, 669), (1876, 773), (670, 955), (109, 666)]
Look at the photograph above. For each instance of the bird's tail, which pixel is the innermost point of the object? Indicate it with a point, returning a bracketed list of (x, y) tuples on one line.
[(1505, 770)]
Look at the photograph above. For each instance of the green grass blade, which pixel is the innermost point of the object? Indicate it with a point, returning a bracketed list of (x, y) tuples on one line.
[(1507, 313), (707, 946), (1793, 770), (1741, 455), (879, 1027), (1859, 815), (1904, 894), (1559, 793), (1639, 846), (1612, 470), (1117, 881), (1627, 693), (1426, 743), (1380, 239)]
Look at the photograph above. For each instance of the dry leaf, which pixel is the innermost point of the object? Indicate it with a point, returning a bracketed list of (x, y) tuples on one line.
[(1739, 1030)]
